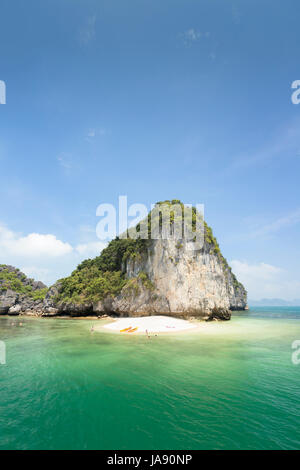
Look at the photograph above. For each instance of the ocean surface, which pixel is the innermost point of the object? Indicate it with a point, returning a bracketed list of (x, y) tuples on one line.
[(231, 385)]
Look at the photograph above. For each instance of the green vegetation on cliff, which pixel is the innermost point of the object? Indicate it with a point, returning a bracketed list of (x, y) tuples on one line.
[(95, 279), (89, 284), (13, 279), (117, 252)]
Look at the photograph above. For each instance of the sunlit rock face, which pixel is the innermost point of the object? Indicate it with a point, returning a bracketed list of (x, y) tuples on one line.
[(135, 275), (183, 281)]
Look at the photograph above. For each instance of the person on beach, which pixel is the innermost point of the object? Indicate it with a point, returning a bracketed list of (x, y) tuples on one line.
[(147, 333)]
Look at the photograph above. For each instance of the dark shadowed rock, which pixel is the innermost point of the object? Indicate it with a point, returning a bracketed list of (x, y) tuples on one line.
[(8, 298)]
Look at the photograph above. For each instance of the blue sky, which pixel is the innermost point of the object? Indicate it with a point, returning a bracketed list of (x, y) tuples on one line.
[(155, 100)]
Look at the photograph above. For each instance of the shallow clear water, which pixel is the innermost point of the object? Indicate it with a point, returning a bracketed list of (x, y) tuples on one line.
[(231, 385)]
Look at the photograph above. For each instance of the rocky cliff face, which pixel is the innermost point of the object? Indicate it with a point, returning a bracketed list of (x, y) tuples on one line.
[(181, 282), (19, 294), (135, 277)]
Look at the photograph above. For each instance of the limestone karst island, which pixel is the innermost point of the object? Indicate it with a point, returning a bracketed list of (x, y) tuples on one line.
[(135, 278), (149, 228)]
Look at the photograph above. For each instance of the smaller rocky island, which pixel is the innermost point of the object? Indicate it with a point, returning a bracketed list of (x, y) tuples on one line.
[(19, 294), (135, 277)]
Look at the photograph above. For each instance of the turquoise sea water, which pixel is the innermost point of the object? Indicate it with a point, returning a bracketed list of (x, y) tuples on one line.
[(231, 385)]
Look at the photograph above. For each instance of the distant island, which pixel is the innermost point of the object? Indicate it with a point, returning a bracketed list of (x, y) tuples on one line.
[(135, 277), (274, 303)]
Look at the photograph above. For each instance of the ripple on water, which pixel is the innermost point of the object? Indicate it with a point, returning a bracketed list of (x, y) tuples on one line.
[(228, 386)]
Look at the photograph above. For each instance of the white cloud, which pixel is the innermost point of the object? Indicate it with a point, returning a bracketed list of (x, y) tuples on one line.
[(90, 249), (94, 132), (285, 142), (32, 245), (65, 160), (286, 221), (91, 133), (102, 131), (263, 280), (88, 32), (43, 256), (191, 36), (261, 271)]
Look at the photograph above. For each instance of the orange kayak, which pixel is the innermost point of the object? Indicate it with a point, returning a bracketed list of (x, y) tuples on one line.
[(125, 329), (132, 330)]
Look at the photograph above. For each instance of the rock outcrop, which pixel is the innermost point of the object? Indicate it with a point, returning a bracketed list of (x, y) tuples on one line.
[(19, 294), (182, 282), (157, 276), (136, 277)]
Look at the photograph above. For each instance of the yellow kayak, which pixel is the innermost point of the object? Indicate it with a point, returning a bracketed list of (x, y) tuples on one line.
[(125, 329), (132, 330)]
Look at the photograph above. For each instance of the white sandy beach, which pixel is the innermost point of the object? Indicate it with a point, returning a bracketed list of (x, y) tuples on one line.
[(153, 324)]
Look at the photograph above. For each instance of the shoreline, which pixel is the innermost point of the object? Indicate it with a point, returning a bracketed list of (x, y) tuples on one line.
[(147, 325), (183, 319), (153, 324), (96, 316), (256, 326)]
